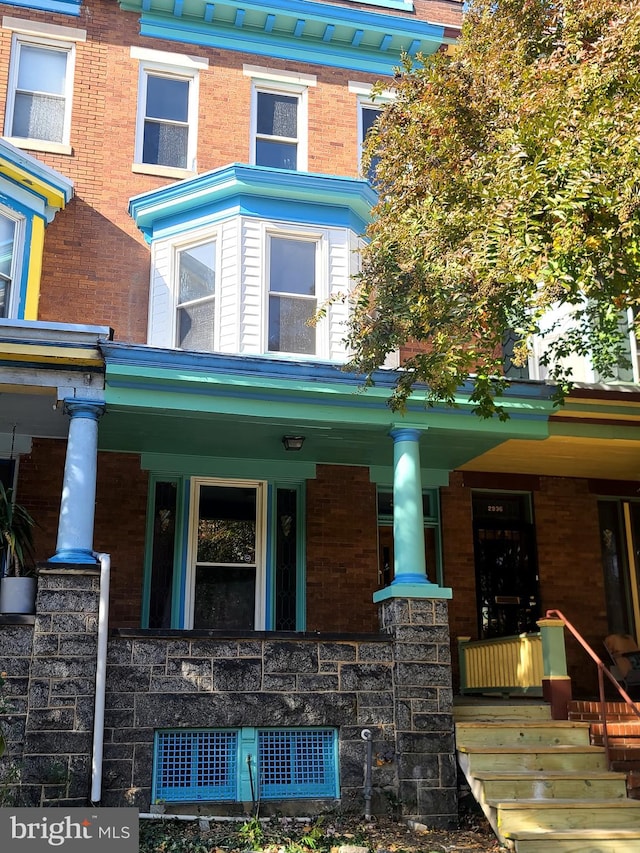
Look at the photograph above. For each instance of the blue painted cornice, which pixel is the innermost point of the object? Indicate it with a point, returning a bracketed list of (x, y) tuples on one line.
[(298, 30), (326, 200)]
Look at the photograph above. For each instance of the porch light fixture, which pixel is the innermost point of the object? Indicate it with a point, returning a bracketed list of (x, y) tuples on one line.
[(292, 442)]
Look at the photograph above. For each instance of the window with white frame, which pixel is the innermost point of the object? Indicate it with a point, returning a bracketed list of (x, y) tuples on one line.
[(10, 253), (166, 131), (206, 557), (40, 89), (293, 295), (245, 285), (279, 118), (226, 555), (277, 134), (370, 106), (196, 296), (367, 116)]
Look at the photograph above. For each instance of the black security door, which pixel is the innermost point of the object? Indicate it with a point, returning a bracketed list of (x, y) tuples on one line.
[(505, 562)]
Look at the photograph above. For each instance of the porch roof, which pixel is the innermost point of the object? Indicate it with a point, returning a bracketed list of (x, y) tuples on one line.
[(224, 407)]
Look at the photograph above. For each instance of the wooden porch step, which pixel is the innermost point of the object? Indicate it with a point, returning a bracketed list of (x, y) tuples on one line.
[(542, 758), (529, 815), (576, 841), (553, 784), (522, 733), (499, 709)]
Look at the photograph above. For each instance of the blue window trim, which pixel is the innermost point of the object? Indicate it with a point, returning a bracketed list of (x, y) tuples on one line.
[(177, 609), (21, 249), (301, 551), (227, 791), (64, 7)]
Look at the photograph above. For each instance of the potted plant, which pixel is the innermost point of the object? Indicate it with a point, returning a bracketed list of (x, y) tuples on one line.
[(18, 586)]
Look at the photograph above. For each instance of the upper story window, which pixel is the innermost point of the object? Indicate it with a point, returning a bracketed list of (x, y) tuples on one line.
[(369, 108), (279, 118), (7, 261), (367, 118), (195, 309), (40, 84), (276, 139), (167, 119), (40, 87), (292, 295)]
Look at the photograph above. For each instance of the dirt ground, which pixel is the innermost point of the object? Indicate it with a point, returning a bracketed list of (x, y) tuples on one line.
[(381, 835)]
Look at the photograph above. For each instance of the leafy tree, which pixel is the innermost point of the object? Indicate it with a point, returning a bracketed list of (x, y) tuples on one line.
[(509, 184)]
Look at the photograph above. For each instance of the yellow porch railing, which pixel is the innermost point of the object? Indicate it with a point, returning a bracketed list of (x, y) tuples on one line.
[(501, 665)]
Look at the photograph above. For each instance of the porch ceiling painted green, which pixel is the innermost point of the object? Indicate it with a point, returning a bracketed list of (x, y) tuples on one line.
[(253, 191), (299, 30), (170, 402)]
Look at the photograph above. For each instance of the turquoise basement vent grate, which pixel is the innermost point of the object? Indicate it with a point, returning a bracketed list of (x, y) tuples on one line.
[(297, 763), (195, 765)]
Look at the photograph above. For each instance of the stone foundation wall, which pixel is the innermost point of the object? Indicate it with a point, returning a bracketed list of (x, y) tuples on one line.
[(396, 683)]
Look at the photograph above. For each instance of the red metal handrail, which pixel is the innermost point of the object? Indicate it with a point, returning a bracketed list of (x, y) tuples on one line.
[(602, 671)]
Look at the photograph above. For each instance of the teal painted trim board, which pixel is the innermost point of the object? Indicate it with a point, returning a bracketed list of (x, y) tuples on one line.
[(361, 58), (298, 30), (256, 469), (427, 590)]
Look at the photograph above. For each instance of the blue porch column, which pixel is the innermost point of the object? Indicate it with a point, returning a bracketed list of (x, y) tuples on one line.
[(77, 507), (409, 568)]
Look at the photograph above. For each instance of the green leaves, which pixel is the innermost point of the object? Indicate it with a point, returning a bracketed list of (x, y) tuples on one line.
[(16, 532), (509, 182)]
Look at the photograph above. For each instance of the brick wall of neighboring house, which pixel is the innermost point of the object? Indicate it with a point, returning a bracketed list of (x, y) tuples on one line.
[(342, 551), (570, 565), (458, 560), (565, 515)]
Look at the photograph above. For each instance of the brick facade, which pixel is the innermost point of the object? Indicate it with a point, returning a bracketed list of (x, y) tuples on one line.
[(342, 550)]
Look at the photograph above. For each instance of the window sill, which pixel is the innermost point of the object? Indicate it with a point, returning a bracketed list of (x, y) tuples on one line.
[(162, 171), (39, 145)]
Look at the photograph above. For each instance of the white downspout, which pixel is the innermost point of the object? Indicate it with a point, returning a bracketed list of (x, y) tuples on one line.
[(101, 675)]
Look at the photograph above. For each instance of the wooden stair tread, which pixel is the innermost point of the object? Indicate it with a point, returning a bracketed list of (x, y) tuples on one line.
[(527, 724), (531, 749), (569, 834), (508, 775), (561, 803)]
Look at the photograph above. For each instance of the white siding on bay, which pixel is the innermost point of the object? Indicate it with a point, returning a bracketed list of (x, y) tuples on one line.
[(161, 310), (340, 267), (242, 282), (252, 299), (229, 271)]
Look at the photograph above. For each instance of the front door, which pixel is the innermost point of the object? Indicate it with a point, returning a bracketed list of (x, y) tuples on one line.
[(505, 563)]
